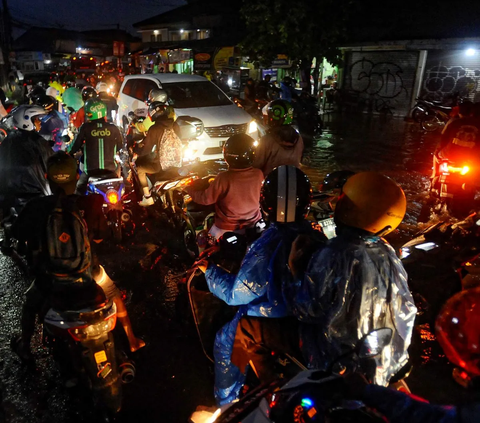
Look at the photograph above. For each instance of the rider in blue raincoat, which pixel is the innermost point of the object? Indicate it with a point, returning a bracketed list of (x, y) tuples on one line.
[(356, 283), (257, 286)]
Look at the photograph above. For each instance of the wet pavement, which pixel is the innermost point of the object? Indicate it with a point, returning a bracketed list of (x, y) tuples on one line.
[(173, 376)]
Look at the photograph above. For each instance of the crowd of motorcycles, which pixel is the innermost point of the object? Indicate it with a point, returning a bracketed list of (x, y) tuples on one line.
[(88, 335)]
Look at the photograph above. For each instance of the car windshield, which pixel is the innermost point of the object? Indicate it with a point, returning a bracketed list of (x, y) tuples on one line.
[(185, 95)]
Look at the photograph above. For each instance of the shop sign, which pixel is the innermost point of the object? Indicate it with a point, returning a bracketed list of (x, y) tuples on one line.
[(281, 62), (222, 58), (202, 59), (118, 48)]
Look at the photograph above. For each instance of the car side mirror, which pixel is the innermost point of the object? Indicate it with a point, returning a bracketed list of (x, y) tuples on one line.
[(188, 128)]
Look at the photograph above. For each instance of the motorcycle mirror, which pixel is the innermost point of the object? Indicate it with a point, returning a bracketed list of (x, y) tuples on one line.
[(188, 127), (375, 342)]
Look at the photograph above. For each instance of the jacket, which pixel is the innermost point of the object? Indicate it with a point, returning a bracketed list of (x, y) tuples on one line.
[(355, 284)]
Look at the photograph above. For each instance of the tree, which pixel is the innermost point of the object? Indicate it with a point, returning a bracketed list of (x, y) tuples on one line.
[(303, 30)]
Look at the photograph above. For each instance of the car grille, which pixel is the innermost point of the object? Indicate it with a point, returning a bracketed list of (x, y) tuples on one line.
[(226, 130)]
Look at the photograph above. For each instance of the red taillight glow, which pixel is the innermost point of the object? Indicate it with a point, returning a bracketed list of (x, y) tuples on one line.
[(112, 197), (465, 170)]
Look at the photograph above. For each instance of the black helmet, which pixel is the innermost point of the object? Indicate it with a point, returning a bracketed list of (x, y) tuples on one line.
[(88, 93), (239, 151), (279, 112), (36, 92), (286, 195), (335, 180), (158, 110), (47, 102)]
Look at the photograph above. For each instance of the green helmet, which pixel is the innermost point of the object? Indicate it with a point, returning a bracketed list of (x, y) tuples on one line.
[(95, 109), (279, 112)]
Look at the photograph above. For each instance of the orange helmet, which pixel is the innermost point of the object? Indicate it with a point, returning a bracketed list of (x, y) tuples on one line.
[(458, 330), (372, 202)]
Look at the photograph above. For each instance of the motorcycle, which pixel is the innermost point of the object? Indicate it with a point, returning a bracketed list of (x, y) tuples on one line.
[(431, 115), (454, 186), (437, 260), (311, 395), (81, 341), (321, 213), (308, 118), (6, 125), (115, 202), (255, 111)]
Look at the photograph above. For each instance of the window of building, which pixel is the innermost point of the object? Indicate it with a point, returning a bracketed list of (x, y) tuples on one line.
[(153, 38), (175, 36), (202, 34)]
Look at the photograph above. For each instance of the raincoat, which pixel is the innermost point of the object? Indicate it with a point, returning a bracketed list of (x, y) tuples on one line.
[(352, 286), (23, 164), (257, 290), (398, 407)]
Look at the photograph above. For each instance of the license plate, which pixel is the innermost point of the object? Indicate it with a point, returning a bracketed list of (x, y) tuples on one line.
[(326, 222), (105, 371), (100, 357)]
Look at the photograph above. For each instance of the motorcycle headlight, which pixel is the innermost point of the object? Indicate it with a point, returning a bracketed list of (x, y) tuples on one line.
[(112, 196), (94, 331), (252, 127)]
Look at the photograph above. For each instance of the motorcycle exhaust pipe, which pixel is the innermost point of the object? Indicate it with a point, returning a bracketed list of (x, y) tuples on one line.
[(127, 372)]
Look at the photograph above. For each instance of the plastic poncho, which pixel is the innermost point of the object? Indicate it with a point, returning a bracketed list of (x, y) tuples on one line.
[(352, 286), (72, 97), (23, 164), (257, 290)]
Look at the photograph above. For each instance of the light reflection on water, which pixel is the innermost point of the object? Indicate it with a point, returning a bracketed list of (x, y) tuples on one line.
[(392, 146)]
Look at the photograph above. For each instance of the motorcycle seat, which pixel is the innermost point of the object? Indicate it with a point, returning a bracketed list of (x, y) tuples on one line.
[(71, 301)]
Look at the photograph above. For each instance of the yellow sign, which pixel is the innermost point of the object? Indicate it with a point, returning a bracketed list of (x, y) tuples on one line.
[(221, 58), (100, 357)]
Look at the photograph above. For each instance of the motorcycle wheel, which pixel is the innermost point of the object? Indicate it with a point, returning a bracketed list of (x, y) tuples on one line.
[(189, 237), (116, 224), (418, 114), (431, 124)]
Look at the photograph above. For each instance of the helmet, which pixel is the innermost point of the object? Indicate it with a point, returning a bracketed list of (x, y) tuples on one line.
[(95, 109), (156, 94), (286, 195), (23, 116), (457, 330), (372, 202), (239, 151), (47, 102), (102, 87), (279, 112), (335, 180), (88, 92), (37, 91), (158, 110)]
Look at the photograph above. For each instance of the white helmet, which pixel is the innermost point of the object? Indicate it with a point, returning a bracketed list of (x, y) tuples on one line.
[(156, 94), (23, 116), (102, 87)]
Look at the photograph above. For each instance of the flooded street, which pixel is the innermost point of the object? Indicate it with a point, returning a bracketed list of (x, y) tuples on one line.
[(173, 376)]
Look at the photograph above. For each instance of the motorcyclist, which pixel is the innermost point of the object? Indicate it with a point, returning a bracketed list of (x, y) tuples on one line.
[(30, 226), (458, 334), (250, 96), (264, 87), (235, 192), (111, 103), (52, 124), (78, 118), (282, 144), (150, 159), (332, 185), (101, 141), (356, 283), (262, 323), (23, 157)]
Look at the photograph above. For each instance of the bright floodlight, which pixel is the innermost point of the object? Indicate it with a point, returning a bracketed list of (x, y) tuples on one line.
[(470, 52)]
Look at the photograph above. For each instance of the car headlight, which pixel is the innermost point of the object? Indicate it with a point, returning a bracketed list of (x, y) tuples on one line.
[(252, 127), (189, 153)]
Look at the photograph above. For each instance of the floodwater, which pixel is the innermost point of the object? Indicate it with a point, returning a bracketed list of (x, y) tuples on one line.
[(173, 376)]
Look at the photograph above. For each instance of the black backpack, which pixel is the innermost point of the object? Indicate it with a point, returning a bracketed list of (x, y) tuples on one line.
[(66, 249)]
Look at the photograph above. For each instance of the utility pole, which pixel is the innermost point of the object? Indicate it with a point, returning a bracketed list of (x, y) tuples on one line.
[(5, 42)]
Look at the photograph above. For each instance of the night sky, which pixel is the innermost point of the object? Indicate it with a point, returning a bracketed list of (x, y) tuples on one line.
[(83, 15)]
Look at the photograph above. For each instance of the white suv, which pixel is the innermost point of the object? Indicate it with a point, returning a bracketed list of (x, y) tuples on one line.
[(190, 95)]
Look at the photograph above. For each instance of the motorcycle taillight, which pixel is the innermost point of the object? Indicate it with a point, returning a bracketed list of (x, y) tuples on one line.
[(444, 168), (112, 196), (94, 331)]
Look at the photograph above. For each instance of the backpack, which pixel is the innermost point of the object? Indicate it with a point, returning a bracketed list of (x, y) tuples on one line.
[(170, 150), (66, 249)]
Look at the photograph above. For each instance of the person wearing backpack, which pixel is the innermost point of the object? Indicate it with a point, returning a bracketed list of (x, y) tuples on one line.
[(161, 149), (100, 140), (59, 230)]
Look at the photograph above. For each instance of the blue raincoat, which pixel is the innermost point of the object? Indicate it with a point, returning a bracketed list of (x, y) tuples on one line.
[(257, 290), (352, 286)]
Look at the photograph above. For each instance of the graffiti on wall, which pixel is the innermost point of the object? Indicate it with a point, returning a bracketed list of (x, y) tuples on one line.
[(381, 82), (442, 82)]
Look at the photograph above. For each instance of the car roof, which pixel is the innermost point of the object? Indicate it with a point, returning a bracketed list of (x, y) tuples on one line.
[(167, 78)]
